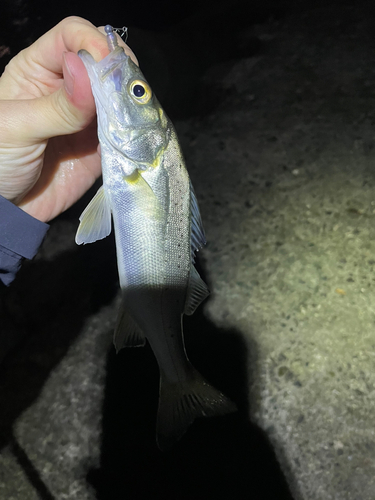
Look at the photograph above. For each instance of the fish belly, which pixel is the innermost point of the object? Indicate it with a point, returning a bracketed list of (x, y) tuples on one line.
[(152, 229)]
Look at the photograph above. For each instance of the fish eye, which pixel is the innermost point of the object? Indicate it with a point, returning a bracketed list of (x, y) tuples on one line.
[(140, 91)]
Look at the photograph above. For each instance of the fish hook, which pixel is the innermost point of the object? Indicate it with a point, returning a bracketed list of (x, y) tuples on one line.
[(122, 31)]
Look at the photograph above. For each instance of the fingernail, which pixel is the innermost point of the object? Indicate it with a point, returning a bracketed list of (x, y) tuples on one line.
[(68, 76)]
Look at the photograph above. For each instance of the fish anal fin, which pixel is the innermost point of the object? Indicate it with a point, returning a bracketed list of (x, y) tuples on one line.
[(181, 403), (95, 221), (197, 291), (127, 332)]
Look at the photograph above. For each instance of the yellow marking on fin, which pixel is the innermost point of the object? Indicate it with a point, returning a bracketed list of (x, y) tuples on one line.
[(144, 196), (133, 178), (156, 162)]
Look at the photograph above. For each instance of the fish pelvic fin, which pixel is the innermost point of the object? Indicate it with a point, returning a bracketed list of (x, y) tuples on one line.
[(95, 221), (127, 332), (181, 403)]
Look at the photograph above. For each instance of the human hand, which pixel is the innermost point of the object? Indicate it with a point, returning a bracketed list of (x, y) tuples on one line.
[(48, 139)]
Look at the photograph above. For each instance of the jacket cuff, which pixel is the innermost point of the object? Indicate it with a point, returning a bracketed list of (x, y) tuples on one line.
[(20, 233)]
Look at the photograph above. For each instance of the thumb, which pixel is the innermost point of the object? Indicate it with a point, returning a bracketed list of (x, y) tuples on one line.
[(65, 111)]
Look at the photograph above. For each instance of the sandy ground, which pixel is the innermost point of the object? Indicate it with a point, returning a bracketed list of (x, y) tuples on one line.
[(276, 120)]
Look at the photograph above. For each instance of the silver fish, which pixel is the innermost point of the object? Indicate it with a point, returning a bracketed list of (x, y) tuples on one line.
[(158, 229)]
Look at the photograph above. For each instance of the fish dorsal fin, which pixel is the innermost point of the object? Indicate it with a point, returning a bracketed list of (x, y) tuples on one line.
[(95, 220), (197, 291), (127, 332), (198, 238)]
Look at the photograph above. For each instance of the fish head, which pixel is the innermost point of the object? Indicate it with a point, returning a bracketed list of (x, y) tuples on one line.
[(130, 118)]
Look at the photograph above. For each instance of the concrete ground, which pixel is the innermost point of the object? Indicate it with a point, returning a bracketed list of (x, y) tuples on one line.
[(279, 142)]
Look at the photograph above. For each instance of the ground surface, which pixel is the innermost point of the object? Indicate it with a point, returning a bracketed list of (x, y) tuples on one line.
[(275, 111)]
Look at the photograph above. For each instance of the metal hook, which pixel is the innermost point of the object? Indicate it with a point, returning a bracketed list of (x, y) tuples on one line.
[(122, 31)]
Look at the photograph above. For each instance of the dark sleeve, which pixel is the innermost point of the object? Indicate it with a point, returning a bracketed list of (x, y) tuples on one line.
[(20, 237)]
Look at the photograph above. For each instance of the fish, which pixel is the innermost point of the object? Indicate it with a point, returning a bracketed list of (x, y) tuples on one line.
[(148, 195)]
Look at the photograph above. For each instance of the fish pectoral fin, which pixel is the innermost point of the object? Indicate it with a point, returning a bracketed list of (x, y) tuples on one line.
[(197, 291), (181, 403), (95, 221), (146, 199), (127, 332)]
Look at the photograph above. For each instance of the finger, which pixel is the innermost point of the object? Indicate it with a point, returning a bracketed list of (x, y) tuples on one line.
[(41, 63), (70, 35), (66, 111), (77, 85)]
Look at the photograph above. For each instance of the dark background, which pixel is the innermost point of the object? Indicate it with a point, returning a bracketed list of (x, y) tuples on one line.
[(175, 42)]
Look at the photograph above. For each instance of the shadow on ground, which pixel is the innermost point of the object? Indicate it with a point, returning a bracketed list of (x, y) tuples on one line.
[(224, 457), (43, 312), (217, 458)]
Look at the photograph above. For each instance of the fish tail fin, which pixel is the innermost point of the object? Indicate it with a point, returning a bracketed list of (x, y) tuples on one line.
[(181, 403)]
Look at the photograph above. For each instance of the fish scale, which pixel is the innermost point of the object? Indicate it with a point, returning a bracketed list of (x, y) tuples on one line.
[(148, 194)]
